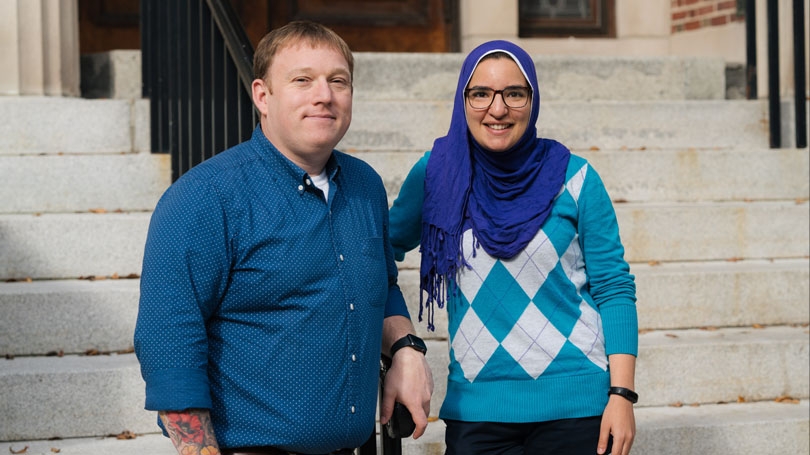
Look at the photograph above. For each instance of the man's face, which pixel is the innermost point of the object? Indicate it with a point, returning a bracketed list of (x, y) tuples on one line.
[(306, 102)]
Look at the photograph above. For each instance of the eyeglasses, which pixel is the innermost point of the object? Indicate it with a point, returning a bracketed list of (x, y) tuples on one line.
[(481, 98)]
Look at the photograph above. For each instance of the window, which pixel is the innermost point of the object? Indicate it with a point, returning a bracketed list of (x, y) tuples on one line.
[(560, 18)]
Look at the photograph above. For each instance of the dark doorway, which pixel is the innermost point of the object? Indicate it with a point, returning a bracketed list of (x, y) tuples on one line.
[(366, 25)]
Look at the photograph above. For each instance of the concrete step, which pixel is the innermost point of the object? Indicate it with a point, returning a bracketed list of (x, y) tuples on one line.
[(408, 76), (741, 428), (714, 231), (81, 244), (724, 365), (396, 75), (722, 294), (76, 396), (71, 317), (690, 175), (680, 175), (135, 181), (72, 245), (753, 364), (141, 444), (78, 183), (52, 125), (686, 295), (71, 396), (582, 125), (75, 316), (744, 428), (81, 396), (708, 231)]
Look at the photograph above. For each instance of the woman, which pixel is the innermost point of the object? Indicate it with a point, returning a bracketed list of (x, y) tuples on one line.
[(520, 239)]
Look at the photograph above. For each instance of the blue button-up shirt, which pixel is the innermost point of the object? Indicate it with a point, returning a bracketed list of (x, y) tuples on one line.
[(264, 303)]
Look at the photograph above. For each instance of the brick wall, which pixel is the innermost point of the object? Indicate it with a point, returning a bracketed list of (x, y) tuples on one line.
[(696, 14)]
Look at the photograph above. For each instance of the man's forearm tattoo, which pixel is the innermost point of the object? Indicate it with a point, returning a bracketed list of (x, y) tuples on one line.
[(191, 432)]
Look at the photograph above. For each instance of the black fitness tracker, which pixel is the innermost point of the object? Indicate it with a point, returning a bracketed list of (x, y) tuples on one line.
[(411, 341), (624, 392)]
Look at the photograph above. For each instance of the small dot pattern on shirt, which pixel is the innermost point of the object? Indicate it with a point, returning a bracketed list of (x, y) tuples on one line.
[(263, 302)]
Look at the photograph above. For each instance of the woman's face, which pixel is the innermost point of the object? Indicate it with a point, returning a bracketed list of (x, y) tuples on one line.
[(498, 127)]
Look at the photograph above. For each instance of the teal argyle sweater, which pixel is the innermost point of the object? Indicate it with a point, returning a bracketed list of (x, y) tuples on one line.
[(530, 336)]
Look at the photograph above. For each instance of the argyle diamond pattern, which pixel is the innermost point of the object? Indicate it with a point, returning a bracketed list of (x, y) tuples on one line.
[(532, 339), (534, 342)]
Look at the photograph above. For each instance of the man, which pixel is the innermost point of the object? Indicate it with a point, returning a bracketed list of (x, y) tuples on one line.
[(269, 284)]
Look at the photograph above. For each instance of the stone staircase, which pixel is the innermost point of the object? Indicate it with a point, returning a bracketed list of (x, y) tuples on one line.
[(716, 227)]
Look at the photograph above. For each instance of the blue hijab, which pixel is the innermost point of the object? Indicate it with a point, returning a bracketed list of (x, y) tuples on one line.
[(505, 196)]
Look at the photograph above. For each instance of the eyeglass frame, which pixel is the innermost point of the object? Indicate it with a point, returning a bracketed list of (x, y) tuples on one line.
[(496, 92)]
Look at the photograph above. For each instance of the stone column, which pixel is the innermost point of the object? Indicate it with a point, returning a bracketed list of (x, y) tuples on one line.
[(39, 47)]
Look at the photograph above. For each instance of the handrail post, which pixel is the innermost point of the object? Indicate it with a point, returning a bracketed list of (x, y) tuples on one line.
[(750, 49), (774, 114), (799, 87)]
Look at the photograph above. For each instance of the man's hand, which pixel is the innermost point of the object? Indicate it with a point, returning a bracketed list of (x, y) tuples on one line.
[(410, 382)]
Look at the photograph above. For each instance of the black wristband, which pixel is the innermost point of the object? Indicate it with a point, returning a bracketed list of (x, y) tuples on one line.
[(410, 341), (628, 394)]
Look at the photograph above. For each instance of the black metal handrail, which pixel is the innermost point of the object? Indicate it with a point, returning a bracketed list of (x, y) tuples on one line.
[(799, 85), (197, 72)]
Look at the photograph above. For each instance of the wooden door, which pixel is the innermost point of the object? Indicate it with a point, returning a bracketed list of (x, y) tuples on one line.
[(106, 25), (366, 25), (379, 25)]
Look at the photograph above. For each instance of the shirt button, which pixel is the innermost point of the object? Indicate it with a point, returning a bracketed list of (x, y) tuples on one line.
[(341, 258), (351, 306), (354, 358), (352, 409), (300, 187)]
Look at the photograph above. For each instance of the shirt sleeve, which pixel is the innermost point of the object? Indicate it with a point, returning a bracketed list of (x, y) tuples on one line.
[(406, 211), (610, 283), (185, 269)]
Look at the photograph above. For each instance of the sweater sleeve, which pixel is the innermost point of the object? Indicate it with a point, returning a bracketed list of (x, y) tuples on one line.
[(406, 211), (395, 304), (185, 269), (611, 285)]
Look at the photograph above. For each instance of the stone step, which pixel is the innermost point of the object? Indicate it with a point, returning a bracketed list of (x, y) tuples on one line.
[(679, 175), (72, 245), (78, 183), (723, 365), (76, 396), (75, 316), (135, 181), (753, 364), (72, 396), (708, 231), (396, 75), (714, 231), (408, 76), (81, 244), (720, 429), (51, 125), (687, 295), (582, 125), (79, 126), (740, 428), (68, 316)]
